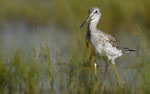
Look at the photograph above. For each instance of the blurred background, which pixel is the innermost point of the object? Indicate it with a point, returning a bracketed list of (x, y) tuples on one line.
[(43, 51)]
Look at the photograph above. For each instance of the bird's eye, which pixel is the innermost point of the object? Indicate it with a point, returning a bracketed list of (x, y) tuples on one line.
[(95, 11)]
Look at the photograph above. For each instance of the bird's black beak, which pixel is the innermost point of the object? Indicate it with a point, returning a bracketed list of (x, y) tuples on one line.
[(85, 21)]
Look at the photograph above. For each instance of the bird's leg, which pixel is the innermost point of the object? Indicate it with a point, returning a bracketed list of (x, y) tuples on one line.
[(116, 73), (95, 65), (118, 81), (92, 60), (92, 56)]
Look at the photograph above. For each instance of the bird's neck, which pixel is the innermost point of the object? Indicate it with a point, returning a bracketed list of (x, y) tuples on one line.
[(93, 25)]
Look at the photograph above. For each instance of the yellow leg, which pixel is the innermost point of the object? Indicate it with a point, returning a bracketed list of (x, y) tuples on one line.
[(118, 81), (92, 59), (90, 49), (95, 65), (92, 55)]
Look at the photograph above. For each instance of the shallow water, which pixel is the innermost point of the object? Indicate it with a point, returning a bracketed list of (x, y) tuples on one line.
[(65, 72)]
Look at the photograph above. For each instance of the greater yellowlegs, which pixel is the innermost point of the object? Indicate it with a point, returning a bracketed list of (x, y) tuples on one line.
[(100, 43)]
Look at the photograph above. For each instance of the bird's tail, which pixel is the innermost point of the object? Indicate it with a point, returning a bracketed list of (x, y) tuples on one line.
[(128, 50)]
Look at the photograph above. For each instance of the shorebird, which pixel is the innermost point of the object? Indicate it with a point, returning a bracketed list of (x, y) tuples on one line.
[(100, 43)]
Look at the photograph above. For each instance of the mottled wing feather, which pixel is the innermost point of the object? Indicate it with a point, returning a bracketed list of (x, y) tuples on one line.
[(114, 42)]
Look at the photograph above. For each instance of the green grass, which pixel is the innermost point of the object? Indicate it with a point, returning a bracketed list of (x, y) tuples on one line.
[(39, 73)]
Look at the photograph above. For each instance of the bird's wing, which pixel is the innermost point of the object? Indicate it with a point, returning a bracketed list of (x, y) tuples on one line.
[(110, 39), (116, 44), (113, 41)]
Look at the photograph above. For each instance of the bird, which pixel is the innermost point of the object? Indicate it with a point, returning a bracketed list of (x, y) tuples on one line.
[(100, 43)]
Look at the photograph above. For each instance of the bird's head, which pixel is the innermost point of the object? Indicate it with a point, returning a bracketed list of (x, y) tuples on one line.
[(94, 15)]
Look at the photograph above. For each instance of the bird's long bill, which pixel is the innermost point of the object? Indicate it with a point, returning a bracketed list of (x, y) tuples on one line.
[(85, 21)]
